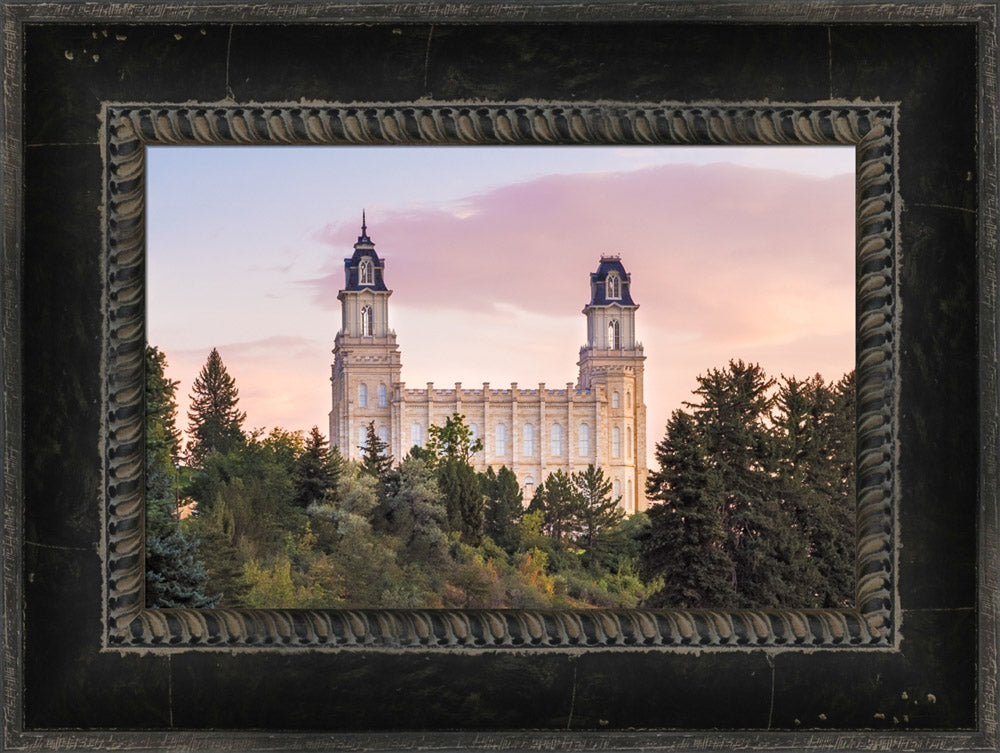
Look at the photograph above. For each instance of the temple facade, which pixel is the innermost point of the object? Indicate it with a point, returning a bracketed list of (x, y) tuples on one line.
[(533, 430)]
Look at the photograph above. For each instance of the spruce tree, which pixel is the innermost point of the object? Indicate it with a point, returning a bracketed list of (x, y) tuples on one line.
[(215, 423), (504, 505), (685, 543), (316, 470), (377, 462), (599, 511), (175, 575), (561, 503)]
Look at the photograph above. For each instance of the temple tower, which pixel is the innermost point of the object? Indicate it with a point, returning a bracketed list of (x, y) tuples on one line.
[(611, 366), (366, 361)]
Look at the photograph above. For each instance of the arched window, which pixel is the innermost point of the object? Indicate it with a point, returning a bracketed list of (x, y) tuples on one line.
[(362, 395), (366, 272), (628, 498), (628, 401), (367, 329), (416, 435), (362, 436), (383, 396), (501, 440), (473, 433), (613, 286), (628, 441), (529, 439), (383, 435), (616, 490), (529, 488), (556, 438), (614, 400), (614, 335), (616, 442), (584, 440)]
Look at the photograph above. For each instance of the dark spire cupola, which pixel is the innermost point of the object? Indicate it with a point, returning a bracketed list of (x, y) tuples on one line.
[(364, 269)]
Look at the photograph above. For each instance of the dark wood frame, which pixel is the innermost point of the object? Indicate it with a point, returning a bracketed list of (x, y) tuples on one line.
[(939, 654)]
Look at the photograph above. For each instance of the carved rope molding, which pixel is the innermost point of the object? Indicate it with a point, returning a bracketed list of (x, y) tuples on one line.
[(870, 128)]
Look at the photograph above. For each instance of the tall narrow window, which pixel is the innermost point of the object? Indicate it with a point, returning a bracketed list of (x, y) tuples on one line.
[(615, 400), (362, 436), (628, 498), (529, 489), (616, 442), (473, 433), (556, 440), (367, 329), (362, 395), (383, 435), (584, 440), (628, 441), (501, 440), (383, 396), (366, 273), (616, 490), (614, 335), (529, 439), (613, 286), (416, 435)]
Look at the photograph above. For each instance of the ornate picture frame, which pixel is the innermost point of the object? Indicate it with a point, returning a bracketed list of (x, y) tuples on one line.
[(913, 665)]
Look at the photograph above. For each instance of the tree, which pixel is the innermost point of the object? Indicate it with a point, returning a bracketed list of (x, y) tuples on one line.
[(376, 460), (685, 543), (453, 440), (417, 513), (452, 445), (598, 511), (316, 470), (175, 575), (503, 507), (561, 505), (215, 423)]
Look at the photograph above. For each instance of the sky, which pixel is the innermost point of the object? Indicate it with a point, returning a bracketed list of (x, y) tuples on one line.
[(734, 253)]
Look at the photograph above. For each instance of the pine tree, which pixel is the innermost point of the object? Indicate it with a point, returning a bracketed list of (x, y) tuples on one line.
[(215, 423), (377, 463), (316, 470), (175, 575), (452, 445), (685, 541), (599, 511), (561, 503), (417, 513), (504, 506)]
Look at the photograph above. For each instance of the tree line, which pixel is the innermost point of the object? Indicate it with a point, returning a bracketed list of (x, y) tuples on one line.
[(751, 508)]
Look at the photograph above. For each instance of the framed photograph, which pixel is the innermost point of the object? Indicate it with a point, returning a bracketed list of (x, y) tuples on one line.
[(196, 196)]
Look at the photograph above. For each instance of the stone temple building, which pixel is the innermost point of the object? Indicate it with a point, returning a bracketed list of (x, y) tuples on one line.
[(534, 430)]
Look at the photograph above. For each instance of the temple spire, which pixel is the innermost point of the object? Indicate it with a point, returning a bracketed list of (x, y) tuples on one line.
[(363, 238)]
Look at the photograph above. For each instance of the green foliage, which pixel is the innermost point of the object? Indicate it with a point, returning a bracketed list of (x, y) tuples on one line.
[(316, 470), (453, 441), (417, 516), (561, 504), (755, 495), (175, 574), (503, 506), (376, 462), (598, 512), (215, 423)]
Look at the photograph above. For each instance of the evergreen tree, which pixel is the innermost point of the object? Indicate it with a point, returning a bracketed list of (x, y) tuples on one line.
[(175, 575), (685, 543), (561, 504), (316, 470), (377, 463), (417, 513), (598, 512), (452, 445), (215, 423), (504, 505)]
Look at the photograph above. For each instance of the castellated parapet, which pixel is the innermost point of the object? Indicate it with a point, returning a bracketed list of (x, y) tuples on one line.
[(601, 419)]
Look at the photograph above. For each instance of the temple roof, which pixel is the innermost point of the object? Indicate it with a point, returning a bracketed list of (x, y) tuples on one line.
[(365, 247), (598, 283)]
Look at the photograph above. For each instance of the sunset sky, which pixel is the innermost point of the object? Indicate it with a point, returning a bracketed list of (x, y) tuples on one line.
[(734, 253)]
